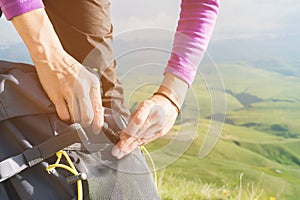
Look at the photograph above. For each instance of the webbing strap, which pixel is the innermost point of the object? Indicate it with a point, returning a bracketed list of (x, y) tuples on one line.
[(37, 154), (12, 166), (69, 136)]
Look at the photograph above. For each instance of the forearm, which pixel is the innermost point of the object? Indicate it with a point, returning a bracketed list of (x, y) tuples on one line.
[(195, 27), (74, 90), (194, 30), (39, 36)]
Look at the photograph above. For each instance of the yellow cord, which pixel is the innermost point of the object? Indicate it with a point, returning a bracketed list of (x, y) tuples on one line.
[(146, 152), (70, 168), (73, 170)]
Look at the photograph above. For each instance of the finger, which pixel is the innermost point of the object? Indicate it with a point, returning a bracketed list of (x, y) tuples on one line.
[(125, 146), (155, 122), (128, 143), (98, 120), (62, 110), (153, 137), (85, 110), (142, 131), (138, 119), (125, 141), (129, 149), (72, 106), (128, 136), (151, 131)]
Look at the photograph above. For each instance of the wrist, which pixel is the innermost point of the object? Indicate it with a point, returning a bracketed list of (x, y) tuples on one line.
[(168, 99), (174, 88), (44, 52), (59, 62)]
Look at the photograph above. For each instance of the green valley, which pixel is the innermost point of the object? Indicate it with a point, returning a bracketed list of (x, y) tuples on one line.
[(257, 155)]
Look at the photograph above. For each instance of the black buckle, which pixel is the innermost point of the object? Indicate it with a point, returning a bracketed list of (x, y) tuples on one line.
[(33, 156)]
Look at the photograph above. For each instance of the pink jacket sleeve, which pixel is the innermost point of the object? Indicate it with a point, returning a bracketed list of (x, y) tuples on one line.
[(195, 27), (13, 8)]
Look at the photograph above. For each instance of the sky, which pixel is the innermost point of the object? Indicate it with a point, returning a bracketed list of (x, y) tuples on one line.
[(237, 19)]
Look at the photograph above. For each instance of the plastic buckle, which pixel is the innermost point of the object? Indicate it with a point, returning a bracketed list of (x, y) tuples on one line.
[(33, 156)]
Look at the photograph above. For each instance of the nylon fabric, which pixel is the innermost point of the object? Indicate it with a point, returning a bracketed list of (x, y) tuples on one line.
[(22, 127)]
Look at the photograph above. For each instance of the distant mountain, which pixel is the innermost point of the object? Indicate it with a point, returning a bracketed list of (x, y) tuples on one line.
[(16, 53), (253, 48), (278, 54)]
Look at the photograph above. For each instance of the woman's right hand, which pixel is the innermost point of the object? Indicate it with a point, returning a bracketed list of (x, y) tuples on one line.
[(74, 90)]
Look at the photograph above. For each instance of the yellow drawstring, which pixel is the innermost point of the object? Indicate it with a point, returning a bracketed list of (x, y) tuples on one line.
[(73, 170), (146, 152), (70, 168)]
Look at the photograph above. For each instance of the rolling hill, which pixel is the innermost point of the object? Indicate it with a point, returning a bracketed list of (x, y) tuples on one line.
[(258, 148)]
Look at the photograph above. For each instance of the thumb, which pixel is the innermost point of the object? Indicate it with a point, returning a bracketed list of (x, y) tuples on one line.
[(62, 110), (98, 120)]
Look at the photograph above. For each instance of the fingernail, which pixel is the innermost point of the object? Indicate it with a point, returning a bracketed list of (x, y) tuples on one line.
[(115, 151), (121, 154)]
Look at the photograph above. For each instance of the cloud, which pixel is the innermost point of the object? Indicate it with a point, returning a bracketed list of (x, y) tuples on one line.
[(161, 20), (133, 14), (237, 19), (254, 18)]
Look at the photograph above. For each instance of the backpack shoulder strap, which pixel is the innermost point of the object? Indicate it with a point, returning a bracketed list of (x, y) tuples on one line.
[(32, 156), (69, 136)]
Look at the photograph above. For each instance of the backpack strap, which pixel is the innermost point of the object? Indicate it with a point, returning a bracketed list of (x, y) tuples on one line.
[(113, 124), (32, 156)]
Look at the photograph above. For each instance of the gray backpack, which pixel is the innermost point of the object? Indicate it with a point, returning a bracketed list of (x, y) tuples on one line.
[(31, 133)]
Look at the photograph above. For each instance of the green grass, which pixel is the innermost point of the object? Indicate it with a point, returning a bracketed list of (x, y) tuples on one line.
[(196, 189), (259, 142), (223, 166)]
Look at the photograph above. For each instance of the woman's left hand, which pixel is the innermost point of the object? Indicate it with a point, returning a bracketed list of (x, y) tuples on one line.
[(153, 119)]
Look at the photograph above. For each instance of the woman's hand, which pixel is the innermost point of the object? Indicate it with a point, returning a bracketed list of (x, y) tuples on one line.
[(74, 90), (154, 117)]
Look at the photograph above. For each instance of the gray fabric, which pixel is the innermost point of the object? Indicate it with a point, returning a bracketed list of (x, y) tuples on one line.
[(32, 156), (34, 182), (109, 178), (27, 119), (12, 166)]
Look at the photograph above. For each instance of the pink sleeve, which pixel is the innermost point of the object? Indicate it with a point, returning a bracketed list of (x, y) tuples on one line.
[(195, 27), (13, 8)]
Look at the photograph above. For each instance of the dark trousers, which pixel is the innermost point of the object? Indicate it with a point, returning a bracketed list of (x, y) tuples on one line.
[(85, 31)]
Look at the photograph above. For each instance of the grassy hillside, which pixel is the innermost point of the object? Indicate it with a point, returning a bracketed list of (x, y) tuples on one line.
[(254, 158), (258, 153)]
